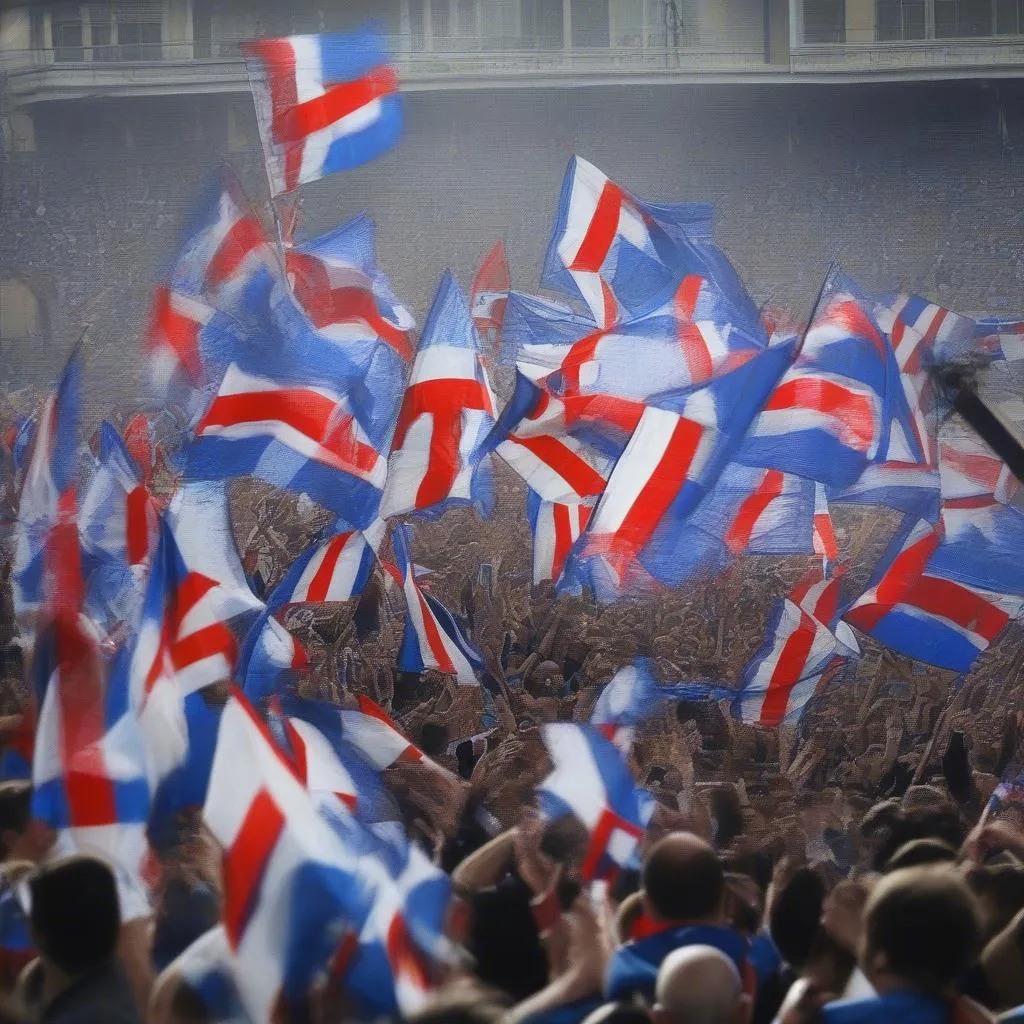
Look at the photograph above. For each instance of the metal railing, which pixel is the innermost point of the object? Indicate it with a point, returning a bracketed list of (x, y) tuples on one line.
[(1005, 51)]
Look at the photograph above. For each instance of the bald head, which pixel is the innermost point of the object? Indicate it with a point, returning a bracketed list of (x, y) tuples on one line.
[(683, 879), (699, 985)]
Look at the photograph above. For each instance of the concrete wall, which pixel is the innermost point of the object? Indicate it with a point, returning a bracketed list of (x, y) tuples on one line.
[(860, 21), (909, 186)]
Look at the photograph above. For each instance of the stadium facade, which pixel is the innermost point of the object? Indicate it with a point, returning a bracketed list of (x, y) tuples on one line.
[(881, 132)]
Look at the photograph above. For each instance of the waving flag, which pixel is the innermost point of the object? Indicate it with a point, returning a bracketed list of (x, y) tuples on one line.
[(903, 486), (447, 413), (830, 414), (531, 320), (223, 246), (670, 464), (613, 250), (336, 280), (303, 439), (118, 517), (632, 696), (184, 643), (489, 292), (924, 332), (47, 505), (324, 103), (334, 569), (914, 609), (291, 889), (1003, 339), (375, 736), (591, 780), (564, 449), (556, 528), (824, 539), (432, 638), (317, 765), (271, 658)]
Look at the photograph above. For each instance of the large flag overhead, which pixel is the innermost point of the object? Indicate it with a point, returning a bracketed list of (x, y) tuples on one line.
[(831, 413), (632, 696), (446, 415), (556, 527), (302, 439), (337, 282), (672, 461), (333, 569), (914, 607), (324, 103)]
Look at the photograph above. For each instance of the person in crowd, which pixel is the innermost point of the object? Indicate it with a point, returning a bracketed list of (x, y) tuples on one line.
[(700, 985)]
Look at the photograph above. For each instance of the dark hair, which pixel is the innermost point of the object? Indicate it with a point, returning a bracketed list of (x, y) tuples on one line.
[(796, 917), (919, 852), (186, 912), (944, 823), (683, 883), (75, 913), (926, 923), (503, 940), (433, 738), (15, 810)]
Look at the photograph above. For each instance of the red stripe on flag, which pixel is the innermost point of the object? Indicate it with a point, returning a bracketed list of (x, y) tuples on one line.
[(246, 861), (601, 230), (296, 123), (737, 538), (244, 237), (170, 329), (298, 748), (320, 585), (580, 352), (574, 470), (789, 669), (606, 826), (948, 600), (563, 538), (824, 536), (433, 636), (663, 487), (208, 642), (855, 411), (137, 524)]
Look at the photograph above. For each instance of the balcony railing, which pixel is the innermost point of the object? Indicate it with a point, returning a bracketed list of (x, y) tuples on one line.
[(947, 55), (167, 67)]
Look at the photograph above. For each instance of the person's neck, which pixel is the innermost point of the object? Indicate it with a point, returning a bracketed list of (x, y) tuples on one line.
[(56, 982), (885, 984)]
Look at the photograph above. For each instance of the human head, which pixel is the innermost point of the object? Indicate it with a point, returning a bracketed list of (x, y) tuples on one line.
[(795, 917), (700, 985), (919, 852), (922, 929), (75, 916), (21, 836), (683, 880)]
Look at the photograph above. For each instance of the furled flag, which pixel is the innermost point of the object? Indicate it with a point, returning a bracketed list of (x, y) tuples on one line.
[(324, 103), (223, 246), (632, 696), (371, 731), (556, 527), (184, 643), (432, 638), (488, 294), (801, 651), (335, 568), (672, 461), (47, 505), (303, 439), (291, 891), (446, 415), (622, 255), (89, 769), (918, 611), (831, 413), (590, 780)]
